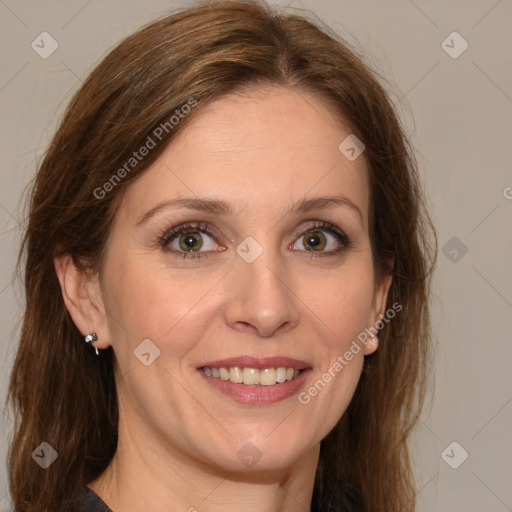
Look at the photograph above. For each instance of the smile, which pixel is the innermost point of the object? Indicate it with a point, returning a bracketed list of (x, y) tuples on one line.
[(252, 376)]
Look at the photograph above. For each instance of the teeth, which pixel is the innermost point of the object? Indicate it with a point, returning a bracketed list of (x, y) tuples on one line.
[(235, 374), (268, 377), (224, 373), (252, 376), (281, 374)]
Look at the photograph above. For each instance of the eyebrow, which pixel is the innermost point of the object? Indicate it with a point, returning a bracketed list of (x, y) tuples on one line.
[(218, 207)]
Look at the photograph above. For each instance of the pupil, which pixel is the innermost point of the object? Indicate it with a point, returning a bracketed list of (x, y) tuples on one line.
[(190, 242), (314, 240)]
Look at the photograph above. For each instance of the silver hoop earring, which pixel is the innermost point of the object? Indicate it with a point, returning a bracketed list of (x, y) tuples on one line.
[(89, 338)]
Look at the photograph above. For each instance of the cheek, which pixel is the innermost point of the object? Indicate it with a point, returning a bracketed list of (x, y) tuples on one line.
[(342, 305), (342, 310), (150, 303)]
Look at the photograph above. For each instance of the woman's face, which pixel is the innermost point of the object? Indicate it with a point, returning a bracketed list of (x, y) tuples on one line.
[(264, 276)]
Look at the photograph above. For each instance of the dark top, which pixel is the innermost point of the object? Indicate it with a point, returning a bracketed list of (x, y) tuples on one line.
[(90, 502)]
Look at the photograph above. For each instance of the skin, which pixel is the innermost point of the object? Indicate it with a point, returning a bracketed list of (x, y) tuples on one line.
[(178, 436)]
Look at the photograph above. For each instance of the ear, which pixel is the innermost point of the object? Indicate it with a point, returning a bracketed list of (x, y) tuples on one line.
[(379, 302), (83, 298)]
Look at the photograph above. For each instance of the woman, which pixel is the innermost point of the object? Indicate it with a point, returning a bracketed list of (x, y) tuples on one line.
[(227, 269)]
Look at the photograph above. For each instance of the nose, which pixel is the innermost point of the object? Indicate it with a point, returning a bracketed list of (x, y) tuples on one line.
[(262, 300)]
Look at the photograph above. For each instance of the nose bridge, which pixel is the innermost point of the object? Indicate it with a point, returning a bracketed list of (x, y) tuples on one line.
[(267, 277), (262, 295)]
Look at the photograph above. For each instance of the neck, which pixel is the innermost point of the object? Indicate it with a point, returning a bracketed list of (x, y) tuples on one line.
[(146, 476)]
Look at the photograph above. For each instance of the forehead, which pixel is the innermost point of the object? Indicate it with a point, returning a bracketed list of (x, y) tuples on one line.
[(262, 147)]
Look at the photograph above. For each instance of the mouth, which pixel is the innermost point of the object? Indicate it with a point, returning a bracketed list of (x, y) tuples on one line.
[(256, 381), (252, 376)]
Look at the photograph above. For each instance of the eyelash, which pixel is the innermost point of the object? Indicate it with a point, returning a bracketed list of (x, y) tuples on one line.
[(202, 227)]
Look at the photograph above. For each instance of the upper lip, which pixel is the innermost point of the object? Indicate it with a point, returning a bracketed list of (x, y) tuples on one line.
[(258, 362)]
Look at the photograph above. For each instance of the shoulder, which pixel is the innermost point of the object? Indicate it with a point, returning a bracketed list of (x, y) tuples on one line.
[(91, 502), (88, 501)]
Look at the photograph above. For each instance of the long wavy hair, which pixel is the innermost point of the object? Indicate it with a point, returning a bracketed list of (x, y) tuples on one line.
[(65, 395)]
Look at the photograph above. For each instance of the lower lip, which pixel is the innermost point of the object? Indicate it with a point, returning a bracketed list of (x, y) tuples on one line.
[(257, 394)]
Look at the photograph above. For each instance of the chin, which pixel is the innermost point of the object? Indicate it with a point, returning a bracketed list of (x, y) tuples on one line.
[(258, 453)]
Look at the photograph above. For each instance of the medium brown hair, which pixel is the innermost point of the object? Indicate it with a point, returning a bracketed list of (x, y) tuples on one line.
[(62, 393)]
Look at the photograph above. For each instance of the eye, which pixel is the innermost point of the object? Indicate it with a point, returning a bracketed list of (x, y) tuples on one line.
[(187, 240), (323, 238)]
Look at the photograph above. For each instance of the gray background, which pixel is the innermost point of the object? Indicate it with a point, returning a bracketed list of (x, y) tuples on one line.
[(457, 112)]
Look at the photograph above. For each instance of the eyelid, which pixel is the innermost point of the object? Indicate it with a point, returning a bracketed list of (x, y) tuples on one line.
[(193, 226), (206, 228), (321, 225)]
